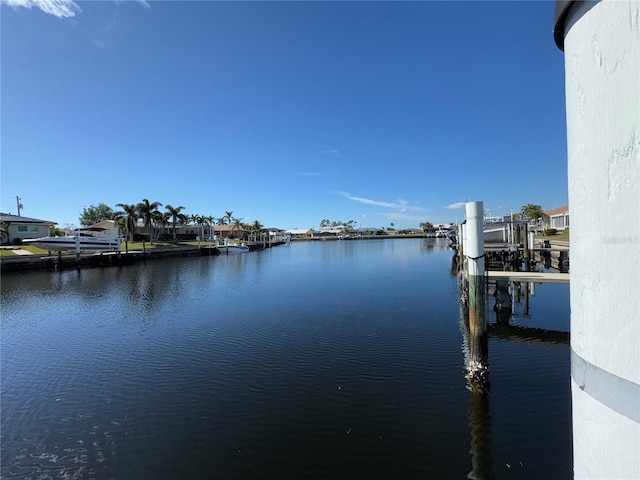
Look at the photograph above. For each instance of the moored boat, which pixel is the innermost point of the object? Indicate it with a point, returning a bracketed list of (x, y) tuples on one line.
[(227, 248)]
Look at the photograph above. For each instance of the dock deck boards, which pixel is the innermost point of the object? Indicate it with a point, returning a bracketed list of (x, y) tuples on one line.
[(537, 277)]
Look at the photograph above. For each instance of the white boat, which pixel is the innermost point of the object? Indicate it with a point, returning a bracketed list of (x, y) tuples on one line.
[(226, 248), (90, 238)]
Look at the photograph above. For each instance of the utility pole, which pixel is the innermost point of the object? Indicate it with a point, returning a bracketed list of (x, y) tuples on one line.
[(19, 204)]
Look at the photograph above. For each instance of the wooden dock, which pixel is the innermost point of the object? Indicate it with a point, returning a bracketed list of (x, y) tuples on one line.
[(536, 277)]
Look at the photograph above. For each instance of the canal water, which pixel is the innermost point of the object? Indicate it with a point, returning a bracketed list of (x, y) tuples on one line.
[(323, 360)]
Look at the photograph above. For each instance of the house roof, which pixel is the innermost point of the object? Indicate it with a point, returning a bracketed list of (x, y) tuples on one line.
[(7, 217), (557, 211), (227, 228)]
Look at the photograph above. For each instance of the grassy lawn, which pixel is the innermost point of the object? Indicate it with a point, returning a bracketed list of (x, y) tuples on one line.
[(8, 251), (563, 236)]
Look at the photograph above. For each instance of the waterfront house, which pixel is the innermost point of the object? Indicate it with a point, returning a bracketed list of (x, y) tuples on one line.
[(368, 231), (332, 231), (273, 232), (224, 231), (18, 228), (300, 232), (557, 218)]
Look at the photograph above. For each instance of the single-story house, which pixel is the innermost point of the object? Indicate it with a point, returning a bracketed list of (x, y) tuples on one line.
[(368, 231), (300, 232), (224, 231), (18, 228), (273, 232), (335, 230), (557, 218)]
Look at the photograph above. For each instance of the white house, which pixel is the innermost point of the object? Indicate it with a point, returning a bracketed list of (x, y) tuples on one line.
[(19, 228), (335, 230), (557, 218), (300, 232)]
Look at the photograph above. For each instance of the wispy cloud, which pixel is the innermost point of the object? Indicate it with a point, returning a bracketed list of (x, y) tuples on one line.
[(144, 3), (453, 206), (400, 205), (58, 8), (332, 151)]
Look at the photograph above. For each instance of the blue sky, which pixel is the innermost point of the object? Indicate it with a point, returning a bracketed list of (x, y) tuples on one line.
[(282, 112)]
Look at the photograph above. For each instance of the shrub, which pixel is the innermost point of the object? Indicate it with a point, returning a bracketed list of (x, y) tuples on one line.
[(140, 237), (550, 231)]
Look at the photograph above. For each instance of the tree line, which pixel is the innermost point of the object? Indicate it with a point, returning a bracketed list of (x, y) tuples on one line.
[(528, 212), (155, 220)]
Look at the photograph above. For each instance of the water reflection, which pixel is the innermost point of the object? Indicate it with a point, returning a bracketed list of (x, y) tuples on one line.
[(511, 303), (277, 354), (509, 298), (480, 427)]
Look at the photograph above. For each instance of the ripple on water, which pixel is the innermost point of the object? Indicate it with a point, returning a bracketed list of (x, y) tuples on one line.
[(325, 364)]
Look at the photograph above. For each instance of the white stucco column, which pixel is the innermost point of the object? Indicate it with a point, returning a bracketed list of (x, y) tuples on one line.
[(602, 66)]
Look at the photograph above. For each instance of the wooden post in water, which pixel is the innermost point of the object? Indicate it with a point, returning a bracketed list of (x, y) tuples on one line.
[(478, 365), (78, 250)]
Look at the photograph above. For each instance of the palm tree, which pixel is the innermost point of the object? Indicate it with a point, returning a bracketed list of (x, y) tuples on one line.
[(426, 226), (205, 223), (4, 230), (175, 216), (237, 225), (228, 216), (121, 223), (159, 222), (145, 210), (197, 221), (130, 217), (211, 221), (532, 212), (255, 228)]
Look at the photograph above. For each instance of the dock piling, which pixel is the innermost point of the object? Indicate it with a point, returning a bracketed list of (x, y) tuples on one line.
[(478, 365)]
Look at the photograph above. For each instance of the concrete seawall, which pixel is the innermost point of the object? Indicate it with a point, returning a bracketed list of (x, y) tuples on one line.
[(92, 260)]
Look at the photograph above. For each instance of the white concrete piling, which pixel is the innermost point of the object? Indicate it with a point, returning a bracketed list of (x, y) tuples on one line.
[(601, 40)]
